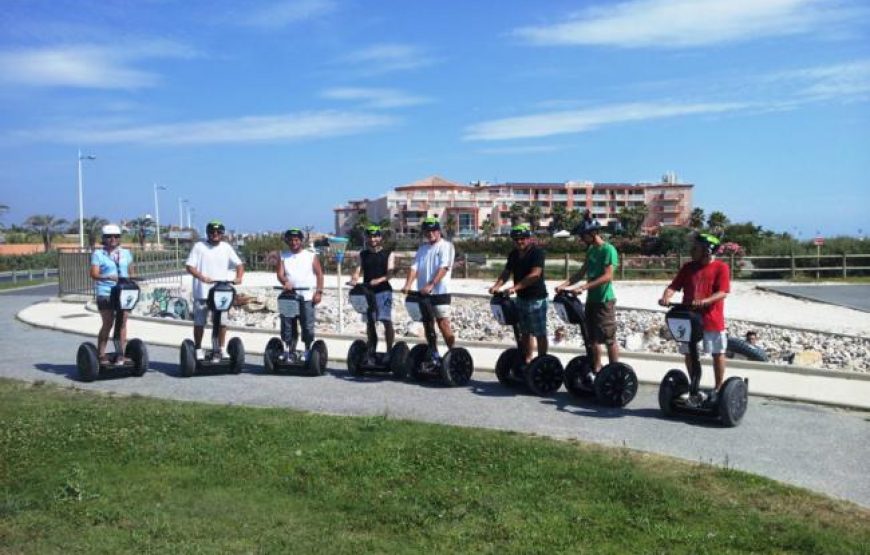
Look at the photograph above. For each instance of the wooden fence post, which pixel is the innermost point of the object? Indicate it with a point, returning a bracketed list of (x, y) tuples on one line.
[(566, 266), (793, 268), (465, 266), (844, 265)]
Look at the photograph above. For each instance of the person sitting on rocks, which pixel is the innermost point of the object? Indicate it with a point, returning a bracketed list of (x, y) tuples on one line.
[(299, 270), (525, 264), (705, 282), (431, 268), (376, 266), (560, 337), (752, 337)]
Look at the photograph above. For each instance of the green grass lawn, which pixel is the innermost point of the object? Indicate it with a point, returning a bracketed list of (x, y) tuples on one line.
[(24, 283), (87, 473)]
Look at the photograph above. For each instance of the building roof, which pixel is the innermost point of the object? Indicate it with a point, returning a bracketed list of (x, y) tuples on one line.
[(433, 182)]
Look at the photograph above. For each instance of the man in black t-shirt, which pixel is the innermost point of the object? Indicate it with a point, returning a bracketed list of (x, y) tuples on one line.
[(525, 264), (376, 265)]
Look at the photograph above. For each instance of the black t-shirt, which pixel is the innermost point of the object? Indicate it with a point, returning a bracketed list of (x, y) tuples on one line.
[(374, 266), (521, 266)]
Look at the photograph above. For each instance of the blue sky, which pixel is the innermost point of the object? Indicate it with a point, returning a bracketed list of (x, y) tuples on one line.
[(269, 114)]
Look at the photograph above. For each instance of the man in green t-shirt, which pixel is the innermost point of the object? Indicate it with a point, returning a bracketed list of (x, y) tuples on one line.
[(601, 260)]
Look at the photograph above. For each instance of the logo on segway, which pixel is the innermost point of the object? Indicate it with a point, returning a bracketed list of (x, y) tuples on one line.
[(681, 332)]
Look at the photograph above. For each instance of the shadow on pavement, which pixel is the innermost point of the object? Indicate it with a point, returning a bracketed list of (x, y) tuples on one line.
[(496, 389), (71, 372)]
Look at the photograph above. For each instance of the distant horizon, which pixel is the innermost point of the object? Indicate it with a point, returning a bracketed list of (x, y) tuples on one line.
[(268, 115)]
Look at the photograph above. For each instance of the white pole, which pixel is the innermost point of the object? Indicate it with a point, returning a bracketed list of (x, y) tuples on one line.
[(157, 215), (340, 296), (81, 206), (188, 216)]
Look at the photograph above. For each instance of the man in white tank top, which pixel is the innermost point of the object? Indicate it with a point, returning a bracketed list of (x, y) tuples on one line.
[(299, 269)]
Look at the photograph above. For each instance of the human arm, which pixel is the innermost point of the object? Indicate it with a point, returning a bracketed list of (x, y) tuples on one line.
[(354, 276), (318, 273), (198, 275), (572, 279), (439, 275)]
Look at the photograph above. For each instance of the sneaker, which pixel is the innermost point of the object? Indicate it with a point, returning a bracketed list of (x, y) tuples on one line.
[(216, 356), (200, 354), (712, 397), (589, 380)]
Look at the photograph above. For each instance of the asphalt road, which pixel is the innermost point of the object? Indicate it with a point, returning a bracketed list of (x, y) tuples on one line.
[(852, 296), (822, 449)]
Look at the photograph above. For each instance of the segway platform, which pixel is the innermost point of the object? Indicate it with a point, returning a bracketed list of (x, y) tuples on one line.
[(220, 300), (280, 358), (363, 356), (424, 362)]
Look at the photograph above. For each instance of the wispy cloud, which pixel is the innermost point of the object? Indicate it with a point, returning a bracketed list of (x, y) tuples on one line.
[(248, 129), (281, 14), (526, 149), (386, 58), (847, 81), (579, 121), (376, 98), (88, 65), (687, 23)]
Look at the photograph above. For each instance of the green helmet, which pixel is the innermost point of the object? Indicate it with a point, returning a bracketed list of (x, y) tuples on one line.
[(521, 231), (373, 231), (214, 225), (710, 242), (293, 232), (431, 224)]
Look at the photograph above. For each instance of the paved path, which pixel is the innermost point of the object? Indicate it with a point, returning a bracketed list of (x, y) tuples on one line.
[(851, 296), (822, 449)]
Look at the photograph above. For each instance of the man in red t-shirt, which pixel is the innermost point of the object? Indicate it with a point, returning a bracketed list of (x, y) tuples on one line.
[(705, 282)]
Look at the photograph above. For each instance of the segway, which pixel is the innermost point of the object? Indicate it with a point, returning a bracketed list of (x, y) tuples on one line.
[(543, 375), (220, 299), (281, 358), (615, 385), (679, 393), (363, 356), (424, 361), (122, 298)]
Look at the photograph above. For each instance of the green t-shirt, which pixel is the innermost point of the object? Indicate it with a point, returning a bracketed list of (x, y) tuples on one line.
[(597, 260)]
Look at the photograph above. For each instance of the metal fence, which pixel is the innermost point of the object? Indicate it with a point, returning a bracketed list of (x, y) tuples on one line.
[(14, 276), (74, 278)]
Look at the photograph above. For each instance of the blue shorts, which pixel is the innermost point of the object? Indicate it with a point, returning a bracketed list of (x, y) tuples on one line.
[(533, 316)]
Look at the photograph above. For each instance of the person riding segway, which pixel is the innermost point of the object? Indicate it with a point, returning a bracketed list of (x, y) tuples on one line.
[(117, 295), (705, 283), (528, 318), (301, 278), (374, 300), (430, 304), (209, 263)]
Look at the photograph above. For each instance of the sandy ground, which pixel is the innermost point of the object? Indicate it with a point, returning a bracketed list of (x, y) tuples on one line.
[(746, 302)]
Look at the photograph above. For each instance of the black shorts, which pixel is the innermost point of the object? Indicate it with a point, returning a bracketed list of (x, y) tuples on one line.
[(104, 303)]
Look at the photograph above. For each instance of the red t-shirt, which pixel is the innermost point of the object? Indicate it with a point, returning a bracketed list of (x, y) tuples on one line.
[(698, 281)]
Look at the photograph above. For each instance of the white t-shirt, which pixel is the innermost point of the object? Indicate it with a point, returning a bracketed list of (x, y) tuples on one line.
[(299, 269), (431, 258), (213, 261)]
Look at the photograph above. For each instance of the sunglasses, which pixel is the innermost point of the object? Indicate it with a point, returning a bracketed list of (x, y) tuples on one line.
[(112, 236)]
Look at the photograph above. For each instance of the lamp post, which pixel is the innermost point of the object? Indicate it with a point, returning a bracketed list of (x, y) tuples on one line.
[(339, 245), (180, 227), (81, 201), (188, 215), (157, 211)]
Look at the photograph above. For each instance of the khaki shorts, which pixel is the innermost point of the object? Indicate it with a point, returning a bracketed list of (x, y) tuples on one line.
[(601, 322), (714, 343)]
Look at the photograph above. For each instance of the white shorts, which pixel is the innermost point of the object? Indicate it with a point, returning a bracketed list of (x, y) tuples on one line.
[(442, 310), (384, 302), (714, 343)]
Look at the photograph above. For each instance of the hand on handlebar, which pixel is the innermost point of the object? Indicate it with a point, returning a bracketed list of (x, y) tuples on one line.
[(663, 302), (287, 286)]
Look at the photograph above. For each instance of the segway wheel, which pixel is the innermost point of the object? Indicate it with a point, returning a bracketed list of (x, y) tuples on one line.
[(505, 365), (457, 367), (187, 359), (616, 385), (399, 360), (236, 350), (137, 351), (675, 383), (355, 357), (544, 375), (577, 377), (733, 401), (320, 347), (313, 365), (418, 354), (270, 358), (88, 362)]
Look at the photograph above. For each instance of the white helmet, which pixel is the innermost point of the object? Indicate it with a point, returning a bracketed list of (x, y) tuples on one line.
[(111, 229)]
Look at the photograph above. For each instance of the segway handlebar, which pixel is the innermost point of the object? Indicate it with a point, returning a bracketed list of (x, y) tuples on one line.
[(280, 288)]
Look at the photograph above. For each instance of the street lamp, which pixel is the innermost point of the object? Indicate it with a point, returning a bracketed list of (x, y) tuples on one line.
[(81, 202), (181, 213), (188, 214), (157, 211)]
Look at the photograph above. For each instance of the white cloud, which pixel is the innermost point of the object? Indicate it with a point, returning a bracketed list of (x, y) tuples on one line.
[(845, 81), (376, 98), (579, 121), (385, 58), (686, 23), (289, 127), (281, 14), (87, 65), (527, 149)]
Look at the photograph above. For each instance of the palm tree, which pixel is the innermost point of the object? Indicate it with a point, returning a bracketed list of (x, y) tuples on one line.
[(717, 222), (140, 227), (47, 226), (358, 231), (632, 218), (487, 228), (94, 228), (534, 214), (557, 218), (696, 220), (451, 224), (3, 209), (573, 218), (517, 213)]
